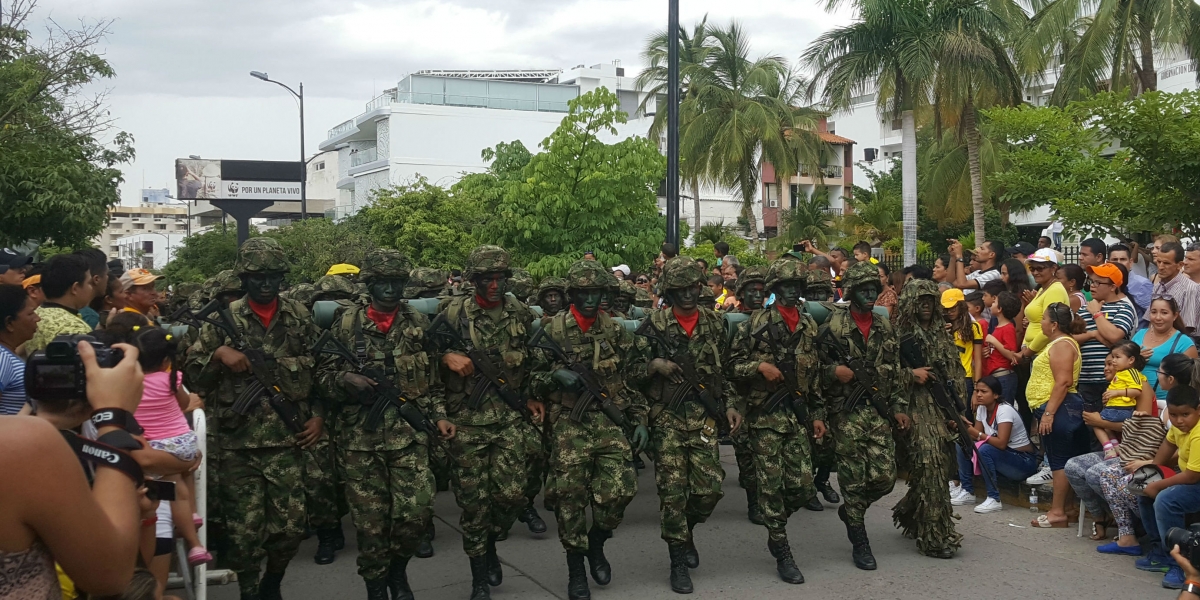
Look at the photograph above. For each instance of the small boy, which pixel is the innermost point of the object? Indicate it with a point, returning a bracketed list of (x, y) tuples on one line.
[(1004, 345), (975, 308)]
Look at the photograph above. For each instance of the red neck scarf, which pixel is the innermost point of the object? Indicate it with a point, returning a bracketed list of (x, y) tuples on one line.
[(483, 302), (687, 322), (382, 320), (265, 312), (584, 323), (864, 323), (790, 314)]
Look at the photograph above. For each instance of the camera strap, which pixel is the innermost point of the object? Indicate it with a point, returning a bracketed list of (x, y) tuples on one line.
[(116, 417), (103, 455)]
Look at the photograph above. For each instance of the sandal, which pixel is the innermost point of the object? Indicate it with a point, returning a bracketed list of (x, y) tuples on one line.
[(1099, 531), (198, 556), (1044, 522)]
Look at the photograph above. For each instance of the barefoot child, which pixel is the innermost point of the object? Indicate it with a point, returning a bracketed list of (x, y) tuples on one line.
[(1125, 363)]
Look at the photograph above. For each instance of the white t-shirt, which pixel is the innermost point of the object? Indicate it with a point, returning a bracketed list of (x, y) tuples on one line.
[(1004, 414), (982, 277)]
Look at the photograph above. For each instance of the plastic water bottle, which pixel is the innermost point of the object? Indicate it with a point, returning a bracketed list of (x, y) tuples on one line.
[(1033, 500)]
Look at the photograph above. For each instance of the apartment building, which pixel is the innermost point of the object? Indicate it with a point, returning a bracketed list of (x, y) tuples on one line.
[(151, 220)]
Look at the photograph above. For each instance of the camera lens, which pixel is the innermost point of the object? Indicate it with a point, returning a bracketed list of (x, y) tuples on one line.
[(1181, 537)]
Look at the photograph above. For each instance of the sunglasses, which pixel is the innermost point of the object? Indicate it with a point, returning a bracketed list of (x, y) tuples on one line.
[(643, 280)]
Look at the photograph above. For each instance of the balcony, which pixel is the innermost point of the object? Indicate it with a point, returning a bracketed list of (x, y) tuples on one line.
[(363, 157), (827, 172), (343, 128), (380, 101)]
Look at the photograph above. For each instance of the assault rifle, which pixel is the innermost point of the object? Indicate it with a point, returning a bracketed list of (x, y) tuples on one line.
[(693, 387), (385, 392), (445, 336), (865, 384), (785, 361), (593, 390)]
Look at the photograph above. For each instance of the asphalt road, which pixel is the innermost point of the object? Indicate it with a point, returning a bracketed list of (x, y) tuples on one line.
[(1001, 557)]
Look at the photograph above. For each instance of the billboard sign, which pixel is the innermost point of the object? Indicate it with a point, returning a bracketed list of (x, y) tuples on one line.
[(203, 179)]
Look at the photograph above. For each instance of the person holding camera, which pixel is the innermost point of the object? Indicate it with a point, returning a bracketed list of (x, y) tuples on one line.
[(263, 344)]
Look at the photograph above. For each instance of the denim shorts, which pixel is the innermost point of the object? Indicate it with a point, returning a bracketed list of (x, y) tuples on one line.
[(1116, 415)]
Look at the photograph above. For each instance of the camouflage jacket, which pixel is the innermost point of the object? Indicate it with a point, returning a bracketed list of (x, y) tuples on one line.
[(605, 348), (880, 350), (753, 389), (286, 343), (705, 346), (503, 334), (401, 354)]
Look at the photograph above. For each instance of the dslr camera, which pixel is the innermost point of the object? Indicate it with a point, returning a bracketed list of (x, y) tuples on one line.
[(1188, 541), (56, 374)]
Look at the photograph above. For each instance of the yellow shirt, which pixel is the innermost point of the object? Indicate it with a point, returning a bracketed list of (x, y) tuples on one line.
[(1189, 447), (1041, 378), (1128, 379), (966, 350), (1034, 338)]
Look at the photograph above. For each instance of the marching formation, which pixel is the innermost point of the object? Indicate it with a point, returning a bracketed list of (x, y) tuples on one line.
[(368, 395)]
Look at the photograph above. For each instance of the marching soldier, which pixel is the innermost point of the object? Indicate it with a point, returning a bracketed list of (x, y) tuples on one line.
[(750, 292), (552, 296), (623, 303), (426, 283), (820, 290)]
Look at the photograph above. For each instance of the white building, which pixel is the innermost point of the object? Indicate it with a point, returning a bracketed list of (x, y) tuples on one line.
[(156, 196), (149, 250), (124, 221)]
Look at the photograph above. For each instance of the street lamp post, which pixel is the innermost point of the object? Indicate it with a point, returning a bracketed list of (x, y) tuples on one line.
[(303, 163), (673, 122)]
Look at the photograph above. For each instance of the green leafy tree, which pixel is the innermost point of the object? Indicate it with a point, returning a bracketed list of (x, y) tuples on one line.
[(203, 255), (582, 194), (809, 220), (431, 225), (314, 245)]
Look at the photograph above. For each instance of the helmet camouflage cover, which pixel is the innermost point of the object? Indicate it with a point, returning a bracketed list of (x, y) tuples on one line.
[(642, 298), (706, 293), (333, 287), (820, 279), (521, 284), (628, 290), (552, 283), (186, 289), (260, 255), (226, 281), (859, 274), (785, 269), (304, 293), (588, 274), (750, 275), (425, 279), (681, 272), (488, 259), (384, 262)]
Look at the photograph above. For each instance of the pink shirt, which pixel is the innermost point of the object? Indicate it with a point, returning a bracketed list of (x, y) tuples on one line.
[(159, 413)]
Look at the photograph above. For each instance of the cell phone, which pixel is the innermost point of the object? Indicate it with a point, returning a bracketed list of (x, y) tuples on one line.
[(798, 247), (157, 490)]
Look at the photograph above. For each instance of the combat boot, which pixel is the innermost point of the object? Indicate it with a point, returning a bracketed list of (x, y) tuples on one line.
[(397, 580), (601, 570), (753, 510), (577, 584), (326, 546), (532, 519), (269, 586), (425, 548), (495, 573), (863, 558), (681, 579), (479, 578), (248, 595), (691, 555), (784, 563), (822, 484), (339, 538), (814, 504), (377, 589)]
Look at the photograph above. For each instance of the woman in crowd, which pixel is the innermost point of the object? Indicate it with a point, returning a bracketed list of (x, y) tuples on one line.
[(1007, 450), (1057, 406), (1014, 275), (18, 322), (943, 272), (887, 298), (1073, 279), (1164, 336)]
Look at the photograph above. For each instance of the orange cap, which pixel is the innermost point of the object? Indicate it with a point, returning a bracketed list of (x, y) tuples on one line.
[(1108, 271)]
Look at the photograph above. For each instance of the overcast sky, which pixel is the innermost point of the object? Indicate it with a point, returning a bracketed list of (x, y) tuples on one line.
[(182, 84)]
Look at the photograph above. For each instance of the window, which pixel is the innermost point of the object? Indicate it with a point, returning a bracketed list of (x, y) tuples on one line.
[(319, 166), (773, 195), (139, 225), (832, 126), (160, 226), (148, 247), (793, 194), (897, 124)]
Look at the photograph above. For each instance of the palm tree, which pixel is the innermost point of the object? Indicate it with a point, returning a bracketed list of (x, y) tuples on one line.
[(808, 220)]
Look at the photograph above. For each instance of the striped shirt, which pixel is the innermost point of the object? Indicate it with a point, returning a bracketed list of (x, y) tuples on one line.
[(12, 382), (1141, 436), (1120, 313)]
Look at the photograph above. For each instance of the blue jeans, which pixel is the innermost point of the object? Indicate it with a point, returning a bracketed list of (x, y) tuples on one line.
[(1068, 438), (1008, 388), (1007, 463), (1116, 415), (1168, 510)]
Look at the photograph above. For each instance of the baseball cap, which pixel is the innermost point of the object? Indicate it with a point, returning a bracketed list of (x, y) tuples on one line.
[(11, 259), (1108, 271), (622, 268), (32, 281), (1045, 255), (134, 277), (951, 297), (342, 269), (1023, 248)]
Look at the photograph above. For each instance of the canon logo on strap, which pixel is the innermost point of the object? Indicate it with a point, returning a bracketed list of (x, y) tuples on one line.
[(109, 457), (103, 416)]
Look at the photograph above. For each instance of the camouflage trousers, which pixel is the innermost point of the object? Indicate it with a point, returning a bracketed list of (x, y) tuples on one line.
[(321, 490), (537, 455), (264, 509), (744, 455), (489, 479), (439, 463), (924, 513), (784, 476), (390, 494), (866, 459), (689, 475), (824, 452), (591, 464)]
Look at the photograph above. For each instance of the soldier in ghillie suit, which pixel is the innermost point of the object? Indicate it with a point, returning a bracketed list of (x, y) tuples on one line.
[(624, 300), (861, 423), (591, 460), (925, 514), (262, 459), (750, 292), (819, 289), (684, 437), (775, 358), (489, 450), (552, 296), (521, 285), (426, 283), (389, 485)]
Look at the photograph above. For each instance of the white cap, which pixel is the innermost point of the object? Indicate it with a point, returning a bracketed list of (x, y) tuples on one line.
[(622, 268), (1044, 255)]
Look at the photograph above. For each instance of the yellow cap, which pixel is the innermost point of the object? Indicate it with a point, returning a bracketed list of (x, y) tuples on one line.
[(342, 269), (951, 297)]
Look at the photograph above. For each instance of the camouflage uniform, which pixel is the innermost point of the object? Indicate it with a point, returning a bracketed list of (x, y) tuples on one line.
[(261, 463), (642, 299), (302, 293), (425, 282), (742, 452), (537, 440), (824, 456), (925, 513), (557, 284), (627, 293), (181, 294), (866, 453), (389, 485), (521, 285)]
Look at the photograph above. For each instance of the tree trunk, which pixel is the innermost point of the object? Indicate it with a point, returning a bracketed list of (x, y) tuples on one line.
[(696, 206), (908, 173), (1148, 75), (973, 165)]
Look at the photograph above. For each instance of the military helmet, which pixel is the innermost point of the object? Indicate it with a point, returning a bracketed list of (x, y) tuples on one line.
[(858, 274), (750, 275), (226, 281), (304, 293), (706, 293), (552, 283), (333, 287), (384, 262), (820, 279), (488, 259), (260, 255), (185, 289), (642, 298), (681, 272), (588, 274), (521, 284), (628, 290), (786, 270), (425, 279)]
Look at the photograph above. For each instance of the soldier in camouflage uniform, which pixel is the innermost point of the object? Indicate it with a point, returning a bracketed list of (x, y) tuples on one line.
[(820, 286), (777, 434), (425, 283), (389, 485), (623, 304), (552, 296), (751, 292), (489, 450), (866, 453), (262, 461), (537, 443), (925, 514), (591, 457), (820, 289), (687, 460), (642, 299), (302, 293), (521, 285), (181, 294)]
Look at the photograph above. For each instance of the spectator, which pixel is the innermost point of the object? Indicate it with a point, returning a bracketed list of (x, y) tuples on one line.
[(621, 272), (18, 322), (820, 262), (589, 255), (1092, 252), (968, 336), (33, 285), (1164, 336), (862, 253), (1006, 450), (1191, 262), (1021, 250), (1017, 278), (730, 267), (1142, 259), (720, 249), (1043, 266), (986, 259), (992, 289), (140, 295), (704, 265), (99, 271), (1172, 282), (1125, 362), (1110, 318), (943, 271), (68, 288), (888, 297), (1057, 405), (917, 272), (1045, 242), (669, 251), (1074, 280), (12, 266), (1141, 290), (716, 283), (840, 259), (1003, 341), (114, 299)]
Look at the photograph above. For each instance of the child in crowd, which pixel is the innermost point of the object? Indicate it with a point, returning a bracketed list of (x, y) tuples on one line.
[(968, 335), (975, 307), (1123, 367), (1004, 344)]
